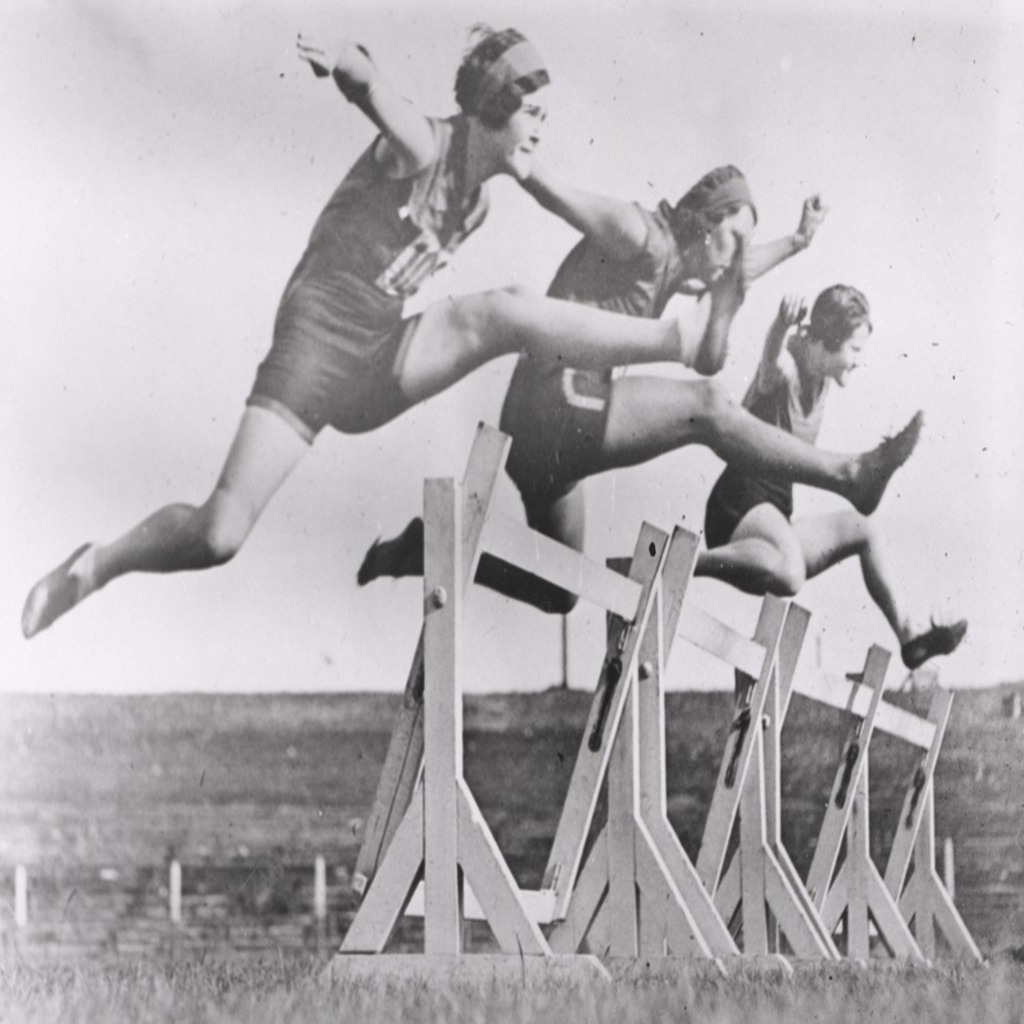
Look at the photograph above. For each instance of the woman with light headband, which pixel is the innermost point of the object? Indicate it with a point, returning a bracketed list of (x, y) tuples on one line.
[(344, 355), (570, 423)]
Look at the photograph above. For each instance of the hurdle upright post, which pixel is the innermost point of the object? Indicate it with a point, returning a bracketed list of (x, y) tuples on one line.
[(910, 875)]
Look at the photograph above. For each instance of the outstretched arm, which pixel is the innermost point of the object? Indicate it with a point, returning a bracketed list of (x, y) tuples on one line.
[(616, 226), (761, 258), (409, 142)]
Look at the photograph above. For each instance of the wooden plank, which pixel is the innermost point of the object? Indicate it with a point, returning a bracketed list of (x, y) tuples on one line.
[(680, 562), (950, 923), (668, 918), (852, 765), (493, 884), (404, 757), (835, 900), (591, 765), (655, 650), (650, 720), (803, 932), (516, 543), (858, 855), (727, 895), (442, 717), (389, 892), (398, 777), (623, 811), (686, 880), (752, 853), (725, 801), (794, 630), (840, 693), (914, 801), (587, 897), (725, 643), (538, 903), (803, 900), (892, 928)]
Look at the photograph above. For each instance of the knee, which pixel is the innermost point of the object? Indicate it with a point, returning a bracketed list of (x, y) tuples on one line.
[(787, 576), (224, 526), (488, 320)]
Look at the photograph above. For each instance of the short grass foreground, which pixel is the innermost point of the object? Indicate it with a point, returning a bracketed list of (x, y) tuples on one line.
[(290, 990)]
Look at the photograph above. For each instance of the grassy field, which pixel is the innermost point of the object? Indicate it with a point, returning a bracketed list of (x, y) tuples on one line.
[(279, 990), (97, 795)]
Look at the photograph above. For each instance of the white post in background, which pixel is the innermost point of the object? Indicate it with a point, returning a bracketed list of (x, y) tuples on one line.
[(175, 892), (948, 867), (319, 890), (20, 896)]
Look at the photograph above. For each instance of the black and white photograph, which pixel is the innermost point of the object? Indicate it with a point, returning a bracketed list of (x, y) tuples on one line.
[(512, 510)]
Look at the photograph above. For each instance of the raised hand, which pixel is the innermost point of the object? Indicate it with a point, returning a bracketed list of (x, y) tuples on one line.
[(792, 311), (811, 218), (351, 61)]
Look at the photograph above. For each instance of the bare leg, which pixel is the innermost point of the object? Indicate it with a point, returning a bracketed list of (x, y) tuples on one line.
[(767, 554), (828, 540), (763, 555), (181, 537), (649, 416), (456, 336)]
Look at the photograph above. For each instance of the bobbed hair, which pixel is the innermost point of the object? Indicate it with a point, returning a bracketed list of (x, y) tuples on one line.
[(486, 45), (837, 312)]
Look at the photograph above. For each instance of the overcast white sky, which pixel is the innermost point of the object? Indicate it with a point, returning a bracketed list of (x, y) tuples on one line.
[(164, 163)]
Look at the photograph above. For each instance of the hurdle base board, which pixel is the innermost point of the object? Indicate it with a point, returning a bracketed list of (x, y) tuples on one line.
[(538, 903), (469, 972)]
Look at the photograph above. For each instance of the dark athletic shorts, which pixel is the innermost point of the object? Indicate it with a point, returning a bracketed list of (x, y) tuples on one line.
[(557, 425), (733, 496), (332, 362)]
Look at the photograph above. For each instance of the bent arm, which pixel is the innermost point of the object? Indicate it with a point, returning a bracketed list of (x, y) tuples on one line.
[(408, 144), (791, 312), (727, 295), (762, 258), (616, 226)]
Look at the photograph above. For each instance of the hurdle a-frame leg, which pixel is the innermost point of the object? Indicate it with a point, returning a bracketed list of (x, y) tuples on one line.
[(404, 757), (856, 893), (923, 900), (638, 894), (443, 837), (762, 881)]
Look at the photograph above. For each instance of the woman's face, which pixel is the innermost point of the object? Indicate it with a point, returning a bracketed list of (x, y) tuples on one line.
[(722, 241), (521, 134), (838, 365)]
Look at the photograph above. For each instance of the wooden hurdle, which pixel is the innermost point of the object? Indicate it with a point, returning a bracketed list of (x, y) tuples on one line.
[(636, 894), (761, 885), (856, 894), (637, 873), (440, 836)]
